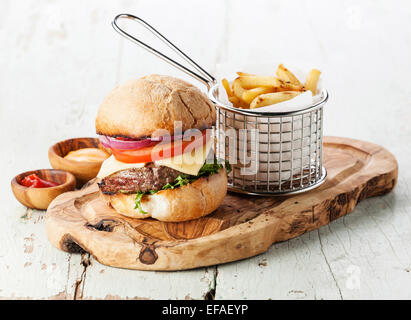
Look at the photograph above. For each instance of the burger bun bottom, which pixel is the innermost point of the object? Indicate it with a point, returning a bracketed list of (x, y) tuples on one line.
[(188, 202)]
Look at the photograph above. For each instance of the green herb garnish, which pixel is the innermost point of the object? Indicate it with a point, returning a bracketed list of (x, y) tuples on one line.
[(208, 169), (138, 206), (168, 186), (181, 180)]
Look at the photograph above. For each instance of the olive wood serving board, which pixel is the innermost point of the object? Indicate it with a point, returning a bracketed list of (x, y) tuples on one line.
[(243, 226)]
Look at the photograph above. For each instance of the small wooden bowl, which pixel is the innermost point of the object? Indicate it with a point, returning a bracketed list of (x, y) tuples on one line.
[(40, 198), (82, 170)]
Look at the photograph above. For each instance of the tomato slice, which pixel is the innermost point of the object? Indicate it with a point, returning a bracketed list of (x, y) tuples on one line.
[(124, 139), (161, 150)]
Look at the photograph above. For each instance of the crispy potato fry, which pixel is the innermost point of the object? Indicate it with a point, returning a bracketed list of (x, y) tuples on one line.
[(286, 75), (312, 80), (244, 74), (272, 98), (288, 86), (238, 103), (250, 82), (238, 88), (249, 95), (227, 87), (234, 100), (250, 91)]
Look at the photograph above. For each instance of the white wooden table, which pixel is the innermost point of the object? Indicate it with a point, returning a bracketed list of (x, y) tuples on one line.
[(58, 60)]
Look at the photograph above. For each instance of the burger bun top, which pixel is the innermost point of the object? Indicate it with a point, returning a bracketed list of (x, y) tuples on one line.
[(138, 108)]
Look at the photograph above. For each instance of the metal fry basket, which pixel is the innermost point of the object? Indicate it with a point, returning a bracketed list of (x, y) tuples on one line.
[(270, 153)]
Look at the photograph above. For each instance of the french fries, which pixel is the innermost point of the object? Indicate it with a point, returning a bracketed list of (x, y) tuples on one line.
[(227, 87), (249, 95), (250, 82), (286, 75), (312, 80), (238, 103), (250, 91), (238, 88), (244, 74), (268, 99)]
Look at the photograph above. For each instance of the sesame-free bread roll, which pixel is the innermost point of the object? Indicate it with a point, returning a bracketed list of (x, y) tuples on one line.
[(139, 108)]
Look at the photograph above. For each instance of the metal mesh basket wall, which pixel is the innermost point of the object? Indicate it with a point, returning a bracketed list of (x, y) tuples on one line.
[(285, 156)]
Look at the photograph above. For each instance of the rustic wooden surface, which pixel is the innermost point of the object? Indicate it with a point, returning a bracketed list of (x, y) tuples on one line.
[(60, 58), (242, 227)]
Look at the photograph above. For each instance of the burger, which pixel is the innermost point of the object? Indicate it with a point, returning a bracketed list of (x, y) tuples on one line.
[(162, 164)]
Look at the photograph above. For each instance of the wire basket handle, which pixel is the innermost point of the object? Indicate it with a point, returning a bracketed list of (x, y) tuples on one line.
[(204, 76)]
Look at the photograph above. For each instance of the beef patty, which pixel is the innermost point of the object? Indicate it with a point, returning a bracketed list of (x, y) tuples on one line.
[(150, 177)]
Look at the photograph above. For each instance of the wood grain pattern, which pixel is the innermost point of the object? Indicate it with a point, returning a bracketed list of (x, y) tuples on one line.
[(243, 226), (83, 171), (40, 198)]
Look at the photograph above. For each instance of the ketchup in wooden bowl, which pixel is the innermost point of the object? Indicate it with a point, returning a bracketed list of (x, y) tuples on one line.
[(34, 181)]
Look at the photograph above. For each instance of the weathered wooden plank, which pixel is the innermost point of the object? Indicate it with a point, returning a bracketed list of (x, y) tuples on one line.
[(365, 254), (29, 267), (49, 65), (59, 59), (373, 241), (294, 269), (133, 284)]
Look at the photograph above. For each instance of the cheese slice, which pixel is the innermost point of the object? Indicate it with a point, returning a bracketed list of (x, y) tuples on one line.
[(111, 165), (188, 163)]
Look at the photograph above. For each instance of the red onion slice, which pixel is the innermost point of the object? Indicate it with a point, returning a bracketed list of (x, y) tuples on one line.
[(110, 142), (104, 141)]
